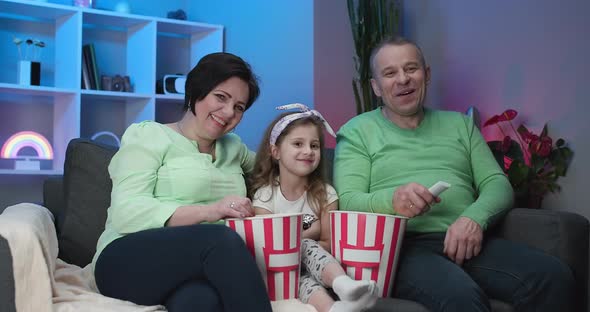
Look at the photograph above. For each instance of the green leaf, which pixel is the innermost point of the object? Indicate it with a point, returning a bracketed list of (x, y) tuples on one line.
[(514, 151), (537, 163), (561, 159), (544, 132), (518, 173), (560, 142)]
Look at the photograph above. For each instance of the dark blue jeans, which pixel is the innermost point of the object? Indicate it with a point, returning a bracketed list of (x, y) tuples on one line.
[(527, 278), (188, 268)]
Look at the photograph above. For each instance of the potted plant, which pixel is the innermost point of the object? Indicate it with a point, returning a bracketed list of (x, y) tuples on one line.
[(532, 162), (370, 21)]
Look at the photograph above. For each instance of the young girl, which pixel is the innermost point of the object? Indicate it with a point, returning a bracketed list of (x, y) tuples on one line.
[(287, 178)]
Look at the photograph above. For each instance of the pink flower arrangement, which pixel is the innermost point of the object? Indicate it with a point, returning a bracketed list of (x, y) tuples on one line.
[(532, 162)]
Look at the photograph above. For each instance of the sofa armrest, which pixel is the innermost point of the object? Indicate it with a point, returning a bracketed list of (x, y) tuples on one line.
[(559, 233), (53, 199)]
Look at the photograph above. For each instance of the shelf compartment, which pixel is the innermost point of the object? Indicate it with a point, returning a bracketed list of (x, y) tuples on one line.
[(34, 10), (51, 114), (55, 25), (113, 112), (180, 45), (169, 107), (124, 45)]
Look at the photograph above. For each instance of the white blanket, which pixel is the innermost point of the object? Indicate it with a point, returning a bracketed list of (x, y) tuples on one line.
[(45, 283)]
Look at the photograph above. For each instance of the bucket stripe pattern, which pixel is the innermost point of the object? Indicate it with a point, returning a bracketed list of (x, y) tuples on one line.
[(275, 243), (368, 245)]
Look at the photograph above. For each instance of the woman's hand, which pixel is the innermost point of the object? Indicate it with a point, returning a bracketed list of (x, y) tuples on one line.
[(231, 206)]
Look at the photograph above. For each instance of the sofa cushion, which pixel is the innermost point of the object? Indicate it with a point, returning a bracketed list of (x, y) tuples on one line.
[(87, 195)]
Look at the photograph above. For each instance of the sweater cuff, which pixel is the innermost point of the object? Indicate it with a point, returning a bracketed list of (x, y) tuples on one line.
[(382, 201), (477, 217), (164, 212)]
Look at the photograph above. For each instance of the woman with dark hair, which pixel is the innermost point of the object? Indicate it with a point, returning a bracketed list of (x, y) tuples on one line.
[(170, 182)]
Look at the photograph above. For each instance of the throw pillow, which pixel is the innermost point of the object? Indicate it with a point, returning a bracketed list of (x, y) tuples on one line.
[(87, 196)]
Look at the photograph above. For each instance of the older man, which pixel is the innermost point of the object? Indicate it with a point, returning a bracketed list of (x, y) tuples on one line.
[(385, 161)]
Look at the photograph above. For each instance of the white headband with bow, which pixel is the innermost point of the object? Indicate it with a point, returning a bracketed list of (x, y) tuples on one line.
[(280, 126)]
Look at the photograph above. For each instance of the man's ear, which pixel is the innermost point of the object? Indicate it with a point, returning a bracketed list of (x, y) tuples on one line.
[(274, 151), (375, 87), (427, 73)]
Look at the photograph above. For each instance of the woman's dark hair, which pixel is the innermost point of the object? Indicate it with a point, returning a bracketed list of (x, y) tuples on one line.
[(214, 69)]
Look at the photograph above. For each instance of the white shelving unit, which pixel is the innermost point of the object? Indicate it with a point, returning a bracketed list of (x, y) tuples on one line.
[(141, 47)]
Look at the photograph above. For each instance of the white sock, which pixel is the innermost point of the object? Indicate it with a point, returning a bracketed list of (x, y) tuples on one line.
[(369, 299), (348, 289), (343, 306), (366, 301)]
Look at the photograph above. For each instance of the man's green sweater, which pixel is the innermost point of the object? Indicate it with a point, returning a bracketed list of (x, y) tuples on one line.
[(374, 157)]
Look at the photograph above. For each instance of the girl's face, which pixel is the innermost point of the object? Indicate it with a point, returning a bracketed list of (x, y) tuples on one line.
[(222, 109), (299, 152)]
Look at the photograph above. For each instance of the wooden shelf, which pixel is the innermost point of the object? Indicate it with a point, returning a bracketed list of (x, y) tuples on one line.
[(9, 88), (31, 172)]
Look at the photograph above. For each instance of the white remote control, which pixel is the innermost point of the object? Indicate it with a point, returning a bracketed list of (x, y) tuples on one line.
[(439, 187)]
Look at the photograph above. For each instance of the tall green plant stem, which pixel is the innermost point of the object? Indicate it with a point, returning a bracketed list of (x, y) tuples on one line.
[(370, 22)]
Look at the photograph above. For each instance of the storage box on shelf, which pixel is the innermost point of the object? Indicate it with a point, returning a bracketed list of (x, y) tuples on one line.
[(141, 47)]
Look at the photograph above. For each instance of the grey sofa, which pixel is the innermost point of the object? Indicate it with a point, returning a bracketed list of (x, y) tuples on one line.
[(80, 198)]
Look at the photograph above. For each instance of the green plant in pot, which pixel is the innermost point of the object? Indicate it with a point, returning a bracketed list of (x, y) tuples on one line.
[(533, 163), (370, 21)]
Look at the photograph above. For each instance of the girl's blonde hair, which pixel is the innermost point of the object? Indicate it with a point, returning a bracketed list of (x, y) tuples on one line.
[(266, 169)]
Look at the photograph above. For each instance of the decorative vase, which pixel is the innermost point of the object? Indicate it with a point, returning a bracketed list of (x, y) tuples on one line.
[(29, 73)]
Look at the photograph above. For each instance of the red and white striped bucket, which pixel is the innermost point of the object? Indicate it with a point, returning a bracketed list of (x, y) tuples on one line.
[(275, 242), (368, 245)]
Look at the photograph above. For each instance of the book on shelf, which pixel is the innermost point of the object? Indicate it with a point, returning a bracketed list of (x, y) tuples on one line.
[(90, 58), (85, 75), (95, 67)]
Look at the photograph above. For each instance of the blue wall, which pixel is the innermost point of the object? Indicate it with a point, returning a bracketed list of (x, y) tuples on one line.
[(276, 38)]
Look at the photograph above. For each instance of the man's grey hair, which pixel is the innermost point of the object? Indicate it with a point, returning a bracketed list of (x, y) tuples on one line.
[(394, 41)]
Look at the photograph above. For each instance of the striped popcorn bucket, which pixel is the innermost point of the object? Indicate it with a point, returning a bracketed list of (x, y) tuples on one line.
[(275, 242), (367, 245)]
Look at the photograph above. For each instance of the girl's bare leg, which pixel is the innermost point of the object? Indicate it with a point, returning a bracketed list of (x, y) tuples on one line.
[(325, 269), (321, 300)]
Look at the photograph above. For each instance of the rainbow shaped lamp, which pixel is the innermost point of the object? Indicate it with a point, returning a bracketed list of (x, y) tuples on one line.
[(24, 139)]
